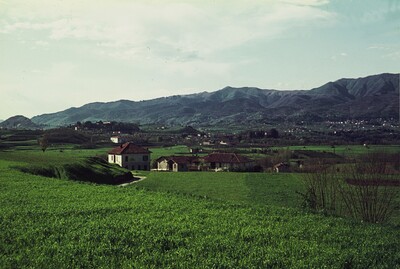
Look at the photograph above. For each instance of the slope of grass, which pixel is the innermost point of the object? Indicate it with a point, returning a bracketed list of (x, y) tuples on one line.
[(49, 223), (91, 169), (52, 156)]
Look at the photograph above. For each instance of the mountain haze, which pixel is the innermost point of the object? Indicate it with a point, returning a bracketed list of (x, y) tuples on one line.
[(369, 97)]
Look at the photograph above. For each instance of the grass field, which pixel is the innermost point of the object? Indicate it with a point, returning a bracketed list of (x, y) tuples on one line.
[(346, 150), (174, 220), (251, 188)]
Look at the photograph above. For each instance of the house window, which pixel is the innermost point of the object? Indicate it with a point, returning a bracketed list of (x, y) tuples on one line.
[(126, 158), (145, 167), (138, 167), (145, 158)]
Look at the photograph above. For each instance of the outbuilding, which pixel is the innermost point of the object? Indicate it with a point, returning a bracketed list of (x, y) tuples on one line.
[(178, 163)]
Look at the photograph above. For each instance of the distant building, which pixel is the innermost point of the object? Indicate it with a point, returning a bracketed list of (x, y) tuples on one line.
[(121, 138), (228, 162), (130, 156)]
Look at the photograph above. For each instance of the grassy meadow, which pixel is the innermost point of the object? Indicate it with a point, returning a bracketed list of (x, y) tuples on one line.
[(252, 188), (174, 220)]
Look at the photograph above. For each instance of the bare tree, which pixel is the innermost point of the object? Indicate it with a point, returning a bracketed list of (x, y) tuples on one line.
[(368, 190), (365, 190)]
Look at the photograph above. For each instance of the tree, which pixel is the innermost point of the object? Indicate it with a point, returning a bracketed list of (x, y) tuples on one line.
[(43, 143)]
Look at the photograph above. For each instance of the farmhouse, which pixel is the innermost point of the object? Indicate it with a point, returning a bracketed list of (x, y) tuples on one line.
[(130, 156), (227, 162), (178, 163)]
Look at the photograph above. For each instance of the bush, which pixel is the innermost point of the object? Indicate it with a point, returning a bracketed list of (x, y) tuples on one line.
[(321, 190)]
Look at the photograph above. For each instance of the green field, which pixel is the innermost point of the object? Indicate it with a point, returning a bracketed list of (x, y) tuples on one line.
[(347, 150), (174, 220), (252, 188)]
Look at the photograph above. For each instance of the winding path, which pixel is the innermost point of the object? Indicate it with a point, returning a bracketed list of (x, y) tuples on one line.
[(132, 182)]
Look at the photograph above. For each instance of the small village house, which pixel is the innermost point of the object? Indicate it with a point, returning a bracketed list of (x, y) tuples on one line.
[(228, 162), (130, 156), (178, 163), (120, 138)]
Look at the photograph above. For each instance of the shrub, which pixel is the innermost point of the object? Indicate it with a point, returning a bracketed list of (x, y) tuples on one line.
[(321, 190)]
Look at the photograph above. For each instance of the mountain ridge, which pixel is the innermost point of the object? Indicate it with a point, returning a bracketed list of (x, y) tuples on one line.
[(366, 97)]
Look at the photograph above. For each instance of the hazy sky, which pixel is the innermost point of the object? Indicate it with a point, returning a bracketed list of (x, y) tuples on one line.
[(56, 54)]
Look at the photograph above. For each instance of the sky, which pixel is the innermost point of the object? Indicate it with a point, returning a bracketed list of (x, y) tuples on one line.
[(56, 54)]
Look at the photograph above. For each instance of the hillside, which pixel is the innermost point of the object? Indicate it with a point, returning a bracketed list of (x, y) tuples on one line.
[(18, 122), (375, 96)]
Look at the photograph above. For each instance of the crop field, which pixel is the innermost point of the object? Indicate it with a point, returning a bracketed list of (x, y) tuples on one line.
[(174, 220), (252, 188)]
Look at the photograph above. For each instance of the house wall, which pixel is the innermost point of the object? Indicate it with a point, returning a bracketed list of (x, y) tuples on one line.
[(118, 160), (175, 167), (111, 158), (131, 161), (115, 159), (162, 166), (136, 161), (115, 139)]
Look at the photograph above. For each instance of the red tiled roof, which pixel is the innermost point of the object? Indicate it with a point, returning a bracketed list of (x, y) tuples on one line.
[(128, 148), (180, 159), (226, 158)]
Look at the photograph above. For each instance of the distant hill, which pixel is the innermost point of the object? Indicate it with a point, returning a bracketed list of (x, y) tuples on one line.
[(19, 122), (362, 98)]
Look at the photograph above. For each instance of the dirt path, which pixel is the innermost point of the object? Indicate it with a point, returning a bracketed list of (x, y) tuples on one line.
[(132, 182)]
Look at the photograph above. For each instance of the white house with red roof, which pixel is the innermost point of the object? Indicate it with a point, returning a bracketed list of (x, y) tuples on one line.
[(130, 156)]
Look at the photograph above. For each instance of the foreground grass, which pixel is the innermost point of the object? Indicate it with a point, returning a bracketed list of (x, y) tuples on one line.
[(52, 223)]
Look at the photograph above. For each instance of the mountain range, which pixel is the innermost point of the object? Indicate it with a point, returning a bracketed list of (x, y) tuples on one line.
[(375, 96)]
